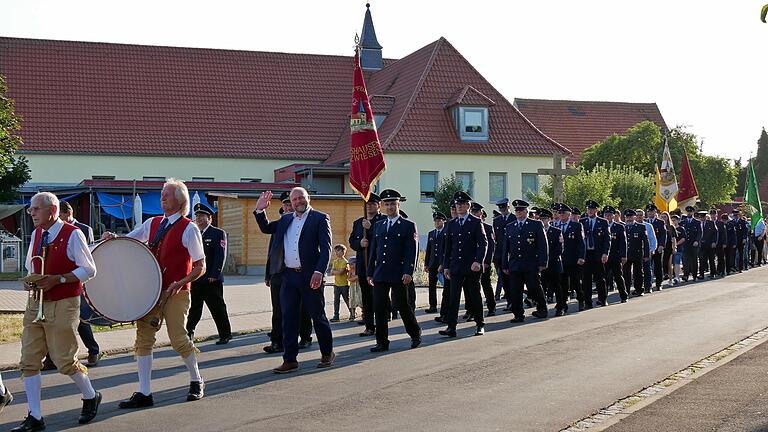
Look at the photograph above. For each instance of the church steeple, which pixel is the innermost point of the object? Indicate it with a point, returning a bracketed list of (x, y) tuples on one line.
[(370, 53)]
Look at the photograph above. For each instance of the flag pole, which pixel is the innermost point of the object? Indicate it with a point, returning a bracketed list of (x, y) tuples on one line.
[(365, 212)]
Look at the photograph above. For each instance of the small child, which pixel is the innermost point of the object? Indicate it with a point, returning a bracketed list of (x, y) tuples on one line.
[(355, 295), (340, 269)]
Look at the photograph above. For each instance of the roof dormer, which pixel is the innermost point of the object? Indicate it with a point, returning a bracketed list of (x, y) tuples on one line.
[(469, 110)]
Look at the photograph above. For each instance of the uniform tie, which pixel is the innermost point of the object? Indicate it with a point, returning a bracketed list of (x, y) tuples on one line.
[(43, 243)]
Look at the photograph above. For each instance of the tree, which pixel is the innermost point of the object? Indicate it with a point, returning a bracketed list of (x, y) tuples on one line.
[(632, 188), (642, 146), (595, 184), (14, 171), (444, 194), (760, 160)]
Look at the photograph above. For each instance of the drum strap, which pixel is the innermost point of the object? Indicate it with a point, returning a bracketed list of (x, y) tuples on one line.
[(161, 232)]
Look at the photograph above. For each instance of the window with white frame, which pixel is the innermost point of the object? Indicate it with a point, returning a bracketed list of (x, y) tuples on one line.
[(530, 184), (428, 180), (472, 123), (467, 180), (497, 186)]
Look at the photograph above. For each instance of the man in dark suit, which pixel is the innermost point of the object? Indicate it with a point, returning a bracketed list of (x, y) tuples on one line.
[(300, 251), (485, 279), (574, 252), (274, 282), (692, 244), (722, 240), (392, 261), (524, 255), (550, 277), (598, 241), (732, 242), (708, 247), (660, 230), (617, 257), (67, 214), (743, 228), (445, 301), (433, 258), (499, 224), (638, 251), (465, 247), (209, 288), (359, 240)]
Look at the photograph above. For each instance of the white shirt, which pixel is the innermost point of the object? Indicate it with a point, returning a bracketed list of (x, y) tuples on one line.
[(291, 239), (392, 221), (77, 251), (191, 238)]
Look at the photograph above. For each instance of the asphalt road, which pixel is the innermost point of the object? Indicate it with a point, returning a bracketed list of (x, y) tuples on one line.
[(730, 398), (538, 376)]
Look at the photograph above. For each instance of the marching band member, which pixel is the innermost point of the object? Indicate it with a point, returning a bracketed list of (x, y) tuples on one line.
[(178, 246), (67, 264)]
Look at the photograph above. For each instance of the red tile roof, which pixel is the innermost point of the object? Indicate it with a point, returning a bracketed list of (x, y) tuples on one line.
[(100, 98), (423, 83), (580, 124)]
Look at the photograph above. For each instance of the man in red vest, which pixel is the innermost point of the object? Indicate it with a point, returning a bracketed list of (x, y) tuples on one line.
[(68, 263), (178, 247)]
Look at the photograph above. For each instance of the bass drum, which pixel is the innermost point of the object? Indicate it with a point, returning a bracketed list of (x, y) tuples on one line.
[(127, 283)]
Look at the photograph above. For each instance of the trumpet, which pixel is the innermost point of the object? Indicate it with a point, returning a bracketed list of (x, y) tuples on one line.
[(40, 316)]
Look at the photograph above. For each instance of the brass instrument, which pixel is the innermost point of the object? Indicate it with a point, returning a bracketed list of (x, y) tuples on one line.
[(40, 316)]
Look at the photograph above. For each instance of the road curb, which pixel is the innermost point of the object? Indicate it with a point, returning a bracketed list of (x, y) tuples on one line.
[(614, 413)]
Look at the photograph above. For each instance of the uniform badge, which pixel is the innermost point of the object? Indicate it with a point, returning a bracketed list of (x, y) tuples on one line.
[(223, 243), (531, 240)]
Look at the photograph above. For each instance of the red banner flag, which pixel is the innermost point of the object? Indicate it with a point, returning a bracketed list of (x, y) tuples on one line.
[(366, 158), (687, 194)]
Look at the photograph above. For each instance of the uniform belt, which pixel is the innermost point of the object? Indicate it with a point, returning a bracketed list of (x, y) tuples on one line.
[(295, 269)]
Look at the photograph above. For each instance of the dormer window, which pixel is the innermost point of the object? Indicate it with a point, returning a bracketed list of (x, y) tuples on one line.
[(472, 123)]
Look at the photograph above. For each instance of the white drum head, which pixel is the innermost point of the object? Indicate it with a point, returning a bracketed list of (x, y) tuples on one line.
[(128, 280)]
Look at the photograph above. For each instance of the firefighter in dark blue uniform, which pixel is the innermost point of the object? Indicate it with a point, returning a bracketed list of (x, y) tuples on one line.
[(550, 277), (617, 257), (433, 258), (692, 244), (598, 242), (524, 255), (359, 240), (485, 279), (660, 230), (638, 251), (730, 250), (574, 251), (499, 224), (708, 248), (391, 264), (465, 248)]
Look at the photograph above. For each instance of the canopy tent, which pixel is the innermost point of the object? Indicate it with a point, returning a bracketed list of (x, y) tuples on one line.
[(61, 198), (10, 209), (121, 206)]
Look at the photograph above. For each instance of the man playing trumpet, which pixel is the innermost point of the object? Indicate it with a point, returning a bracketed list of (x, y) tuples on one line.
[(178, 246), (60, 261)]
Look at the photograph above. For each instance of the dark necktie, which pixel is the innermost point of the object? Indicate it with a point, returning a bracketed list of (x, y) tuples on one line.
[(461, 221), (43, 243), (160, 231), (592, 234)]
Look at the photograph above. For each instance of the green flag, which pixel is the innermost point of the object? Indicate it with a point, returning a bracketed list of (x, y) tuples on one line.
[(752, 197)]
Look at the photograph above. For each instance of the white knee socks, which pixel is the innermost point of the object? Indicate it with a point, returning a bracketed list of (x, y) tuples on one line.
[(84, 384), (32, 386), (194, 371), (2, 387), (145, 374)]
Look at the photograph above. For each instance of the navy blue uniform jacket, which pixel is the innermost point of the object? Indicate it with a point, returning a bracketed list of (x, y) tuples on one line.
[(618, 242), (464, 245), (215, 248), (394, 252), (555, 262), (525, 248)]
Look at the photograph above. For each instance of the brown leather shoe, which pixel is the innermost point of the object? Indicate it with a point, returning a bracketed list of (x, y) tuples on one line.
[(326, 361), (93, 360), (286, 367)]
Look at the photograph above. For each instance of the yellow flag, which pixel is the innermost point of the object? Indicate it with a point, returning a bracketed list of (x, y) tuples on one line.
[(661, 204)]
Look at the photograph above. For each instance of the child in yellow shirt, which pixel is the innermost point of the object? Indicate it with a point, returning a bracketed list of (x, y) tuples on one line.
[(340, 270)]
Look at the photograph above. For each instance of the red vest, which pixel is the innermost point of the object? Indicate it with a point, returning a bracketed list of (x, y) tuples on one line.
[(173, 257), (57, 263)]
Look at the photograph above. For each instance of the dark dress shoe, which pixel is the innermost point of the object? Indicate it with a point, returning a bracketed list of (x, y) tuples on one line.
[(517, 319), (430, 310), (491, 313), (380, 348), (224, 340), (90, 408), (559, 313), (30, 424), (5, 399), (637, 294), (450, 332), (137, 400), (440, 320), (415, 343), (48, 365), (480, 331), (93, 360), (394, 315), (540, 314), (196, 390), (624, 300), (286, 367), (600, 303), (466, 316), (368, 332), (273, 348), (470, 318), (305, 343), (326, 361)]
